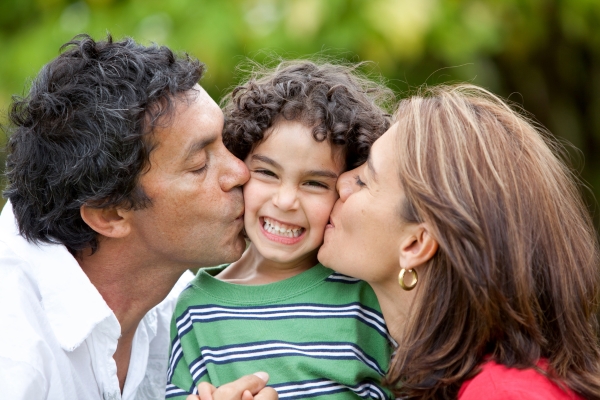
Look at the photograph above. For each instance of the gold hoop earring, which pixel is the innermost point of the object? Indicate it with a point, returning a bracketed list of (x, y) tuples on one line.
[(415, 278)]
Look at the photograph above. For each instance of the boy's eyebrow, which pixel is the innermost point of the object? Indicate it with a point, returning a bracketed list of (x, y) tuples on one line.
[(322, 173), (266, 160)]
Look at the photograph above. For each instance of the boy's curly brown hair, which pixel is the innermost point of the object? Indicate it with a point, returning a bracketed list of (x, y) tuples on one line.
[(338, 102)]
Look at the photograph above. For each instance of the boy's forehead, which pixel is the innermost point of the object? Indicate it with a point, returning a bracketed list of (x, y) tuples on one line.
[(281, 139)]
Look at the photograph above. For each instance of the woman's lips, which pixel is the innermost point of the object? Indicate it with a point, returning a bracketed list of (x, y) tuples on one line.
[(330, 224)]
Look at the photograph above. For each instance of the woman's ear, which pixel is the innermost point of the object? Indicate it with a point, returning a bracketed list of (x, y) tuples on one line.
[(418, 247), (109, 221)]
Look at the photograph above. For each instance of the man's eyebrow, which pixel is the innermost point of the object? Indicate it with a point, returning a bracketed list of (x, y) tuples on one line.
[(197, 146), (371, 167)]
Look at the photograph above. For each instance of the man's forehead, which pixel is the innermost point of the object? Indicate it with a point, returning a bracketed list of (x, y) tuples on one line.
[(195, 105), (201, 96), (195, 118)]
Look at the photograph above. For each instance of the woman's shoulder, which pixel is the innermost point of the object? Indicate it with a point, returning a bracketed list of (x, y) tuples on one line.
[(496, 381)]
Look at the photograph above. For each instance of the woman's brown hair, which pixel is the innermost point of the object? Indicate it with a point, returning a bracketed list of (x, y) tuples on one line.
[(515, 278)]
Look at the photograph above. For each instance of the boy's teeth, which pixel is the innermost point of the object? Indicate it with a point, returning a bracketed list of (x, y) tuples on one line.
[(281, 230)]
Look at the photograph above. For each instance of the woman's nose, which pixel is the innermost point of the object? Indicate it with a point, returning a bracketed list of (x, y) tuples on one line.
[(345, 185)]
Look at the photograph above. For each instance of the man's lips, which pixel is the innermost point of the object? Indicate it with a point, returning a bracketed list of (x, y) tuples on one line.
[(241, 215)]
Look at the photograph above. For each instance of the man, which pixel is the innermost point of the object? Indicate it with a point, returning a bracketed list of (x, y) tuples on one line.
[(118, 183)]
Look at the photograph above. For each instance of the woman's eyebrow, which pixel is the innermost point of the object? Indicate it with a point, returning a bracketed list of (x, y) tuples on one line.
[(371, 167)]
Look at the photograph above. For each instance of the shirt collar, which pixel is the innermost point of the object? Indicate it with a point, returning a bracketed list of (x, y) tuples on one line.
[(72, 304)]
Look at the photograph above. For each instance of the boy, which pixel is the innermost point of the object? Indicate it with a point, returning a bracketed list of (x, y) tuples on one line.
[(315, 332)]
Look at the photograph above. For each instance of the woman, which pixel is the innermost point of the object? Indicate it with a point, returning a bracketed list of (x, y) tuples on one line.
[(465, 201)]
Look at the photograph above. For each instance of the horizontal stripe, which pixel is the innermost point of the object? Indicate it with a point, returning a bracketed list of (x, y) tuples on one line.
[(318, 387), (274, 349), (302, 389), (340, 278), (174, 391), (212, 313)]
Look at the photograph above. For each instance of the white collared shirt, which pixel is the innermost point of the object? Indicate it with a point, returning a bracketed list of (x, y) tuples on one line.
[(58, 335)]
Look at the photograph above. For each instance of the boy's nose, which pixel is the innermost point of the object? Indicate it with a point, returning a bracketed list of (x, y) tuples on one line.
[(285, 198)]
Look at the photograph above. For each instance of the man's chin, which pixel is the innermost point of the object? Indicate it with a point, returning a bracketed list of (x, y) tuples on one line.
[(238, 248)]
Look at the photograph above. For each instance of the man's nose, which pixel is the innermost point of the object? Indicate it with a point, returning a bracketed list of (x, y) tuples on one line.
[(236, 172)]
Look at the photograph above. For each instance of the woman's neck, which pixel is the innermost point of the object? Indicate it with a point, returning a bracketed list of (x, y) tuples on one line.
[(254, 269), (395, 304)]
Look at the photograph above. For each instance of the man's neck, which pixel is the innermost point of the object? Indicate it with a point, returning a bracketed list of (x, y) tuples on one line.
[(131, 285)]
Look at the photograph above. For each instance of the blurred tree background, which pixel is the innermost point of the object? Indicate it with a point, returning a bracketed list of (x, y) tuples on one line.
[(542, 54)]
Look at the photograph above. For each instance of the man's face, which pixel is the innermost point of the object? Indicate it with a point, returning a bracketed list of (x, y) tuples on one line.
[(196, 215)]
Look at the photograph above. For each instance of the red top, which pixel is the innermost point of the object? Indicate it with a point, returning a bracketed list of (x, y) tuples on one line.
[(496, 382)]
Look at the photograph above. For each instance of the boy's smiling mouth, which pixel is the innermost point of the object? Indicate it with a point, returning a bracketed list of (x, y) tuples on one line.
[(281, 229)]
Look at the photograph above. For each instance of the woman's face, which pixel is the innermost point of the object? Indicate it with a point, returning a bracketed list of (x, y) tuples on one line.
[(365, 231)]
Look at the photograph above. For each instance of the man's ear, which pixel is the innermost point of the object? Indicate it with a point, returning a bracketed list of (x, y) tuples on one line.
[(109, 221), (417, 248)]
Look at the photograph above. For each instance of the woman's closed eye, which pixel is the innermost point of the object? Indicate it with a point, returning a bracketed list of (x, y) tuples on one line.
[(359, 181)]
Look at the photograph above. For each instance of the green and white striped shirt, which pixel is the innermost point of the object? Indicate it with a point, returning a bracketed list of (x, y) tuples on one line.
[(318, 334)]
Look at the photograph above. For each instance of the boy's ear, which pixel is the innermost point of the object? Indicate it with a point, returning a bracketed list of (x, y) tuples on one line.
[(109, 221), (417, 248)]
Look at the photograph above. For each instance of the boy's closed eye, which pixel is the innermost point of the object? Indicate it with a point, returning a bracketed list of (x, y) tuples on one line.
[(317, 184), (265, 172)]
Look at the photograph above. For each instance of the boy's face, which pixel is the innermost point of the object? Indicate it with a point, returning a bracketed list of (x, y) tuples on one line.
[(290, 194)]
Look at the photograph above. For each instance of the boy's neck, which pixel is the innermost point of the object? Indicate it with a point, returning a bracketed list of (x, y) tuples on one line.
[(254, 269)]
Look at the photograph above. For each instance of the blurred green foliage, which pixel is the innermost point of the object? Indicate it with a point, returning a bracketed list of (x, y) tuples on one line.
[(543, 54)]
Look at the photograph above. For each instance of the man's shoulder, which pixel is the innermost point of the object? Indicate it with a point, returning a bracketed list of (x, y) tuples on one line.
[(16, 279), (24, 337), (14, 250)]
